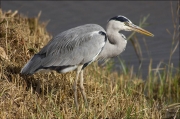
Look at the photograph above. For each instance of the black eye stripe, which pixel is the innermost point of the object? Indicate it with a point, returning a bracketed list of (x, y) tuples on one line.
[(120, 18)]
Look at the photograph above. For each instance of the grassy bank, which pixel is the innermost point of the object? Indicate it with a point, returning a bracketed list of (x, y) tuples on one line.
[(50, 96)]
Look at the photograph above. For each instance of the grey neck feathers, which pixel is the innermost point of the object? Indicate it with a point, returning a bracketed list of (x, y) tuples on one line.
[(115, 44)]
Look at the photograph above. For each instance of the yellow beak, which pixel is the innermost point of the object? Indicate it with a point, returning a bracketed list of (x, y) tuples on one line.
[(140, 30)]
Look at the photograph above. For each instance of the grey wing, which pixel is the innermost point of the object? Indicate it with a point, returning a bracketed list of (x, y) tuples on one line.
[(76, 46), (83, 49)]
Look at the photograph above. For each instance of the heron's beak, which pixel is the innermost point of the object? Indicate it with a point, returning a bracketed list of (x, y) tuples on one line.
[(140, 30)]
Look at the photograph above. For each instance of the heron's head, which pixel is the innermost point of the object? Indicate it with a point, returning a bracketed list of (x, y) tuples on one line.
[(122, 23)]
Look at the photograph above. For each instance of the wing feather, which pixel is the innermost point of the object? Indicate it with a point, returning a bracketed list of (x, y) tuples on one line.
[(73, 47)]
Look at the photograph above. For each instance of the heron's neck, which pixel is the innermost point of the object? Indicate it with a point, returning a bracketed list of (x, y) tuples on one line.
[(113, 36), (115, 44)]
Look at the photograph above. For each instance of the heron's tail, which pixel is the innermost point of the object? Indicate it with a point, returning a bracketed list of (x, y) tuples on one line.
[(32, 65)]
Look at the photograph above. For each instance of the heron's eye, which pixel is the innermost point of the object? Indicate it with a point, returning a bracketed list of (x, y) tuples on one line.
[(126, 23)]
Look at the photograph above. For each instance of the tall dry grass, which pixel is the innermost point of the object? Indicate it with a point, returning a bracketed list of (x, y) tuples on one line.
[(50, 96)]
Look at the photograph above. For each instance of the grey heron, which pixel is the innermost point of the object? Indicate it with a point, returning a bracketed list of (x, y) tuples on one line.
[(76, 48)]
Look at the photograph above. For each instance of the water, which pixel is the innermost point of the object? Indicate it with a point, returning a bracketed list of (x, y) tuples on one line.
[(67, 14)]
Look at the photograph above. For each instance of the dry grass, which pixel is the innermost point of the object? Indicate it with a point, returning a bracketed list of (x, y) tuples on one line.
[(50, 96)]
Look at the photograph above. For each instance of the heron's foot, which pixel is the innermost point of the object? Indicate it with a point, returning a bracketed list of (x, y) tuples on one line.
[(84, 95), (77, 108), (76, 102), (86, 104)]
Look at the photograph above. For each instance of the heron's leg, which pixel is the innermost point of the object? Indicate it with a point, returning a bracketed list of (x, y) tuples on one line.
[(75, 87), (75, 91), (82, 88)]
